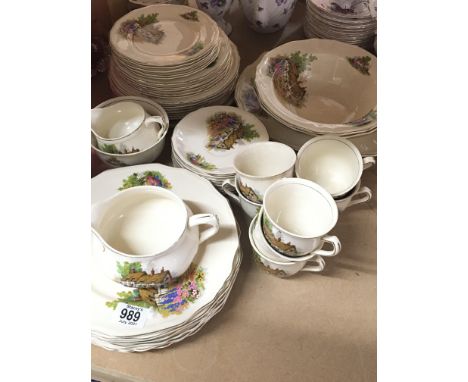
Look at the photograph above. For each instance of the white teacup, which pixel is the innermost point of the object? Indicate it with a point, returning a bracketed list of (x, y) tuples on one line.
[(147, 232), (355, 196), (260, 165), (279, 267), (124, 128), (296, 215), (333, 162), (230, 187), (273, 254)]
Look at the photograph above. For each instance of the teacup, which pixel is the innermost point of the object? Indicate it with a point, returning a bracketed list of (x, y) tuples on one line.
[(333, 162), (356, 196), (124, 128), (148, 234), (267, 16), (273, 254), (296, 215), (260, 165), (279, 267), (250, 208)]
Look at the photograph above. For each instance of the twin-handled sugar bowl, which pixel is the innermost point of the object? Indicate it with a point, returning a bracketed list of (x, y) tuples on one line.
[(148, 235), (125, 127)]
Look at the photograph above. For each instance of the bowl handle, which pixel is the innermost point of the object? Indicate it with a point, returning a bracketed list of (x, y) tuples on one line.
[(209, 219), (336, 244), (159, 121)]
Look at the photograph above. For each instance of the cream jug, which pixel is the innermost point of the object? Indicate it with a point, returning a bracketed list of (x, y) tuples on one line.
[(149, 231)]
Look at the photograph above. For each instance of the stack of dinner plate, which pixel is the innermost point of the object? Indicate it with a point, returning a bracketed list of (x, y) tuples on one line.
[(206, 141), (189, 302), (174, 55), (350, 21), (318, 87)]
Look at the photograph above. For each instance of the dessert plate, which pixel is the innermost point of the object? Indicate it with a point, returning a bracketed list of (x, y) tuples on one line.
[(208, 139), (211, 269)]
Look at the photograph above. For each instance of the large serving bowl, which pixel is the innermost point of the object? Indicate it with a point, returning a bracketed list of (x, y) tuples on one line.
[(321, 86), (145, 156)]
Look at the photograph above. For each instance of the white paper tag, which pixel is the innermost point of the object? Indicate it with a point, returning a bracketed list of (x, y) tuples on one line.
[(131, 316)]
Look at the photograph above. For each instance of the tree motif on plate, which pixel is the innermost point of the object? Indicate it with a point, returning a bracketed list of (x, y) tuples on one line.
[(362, 64), (286, 72), (287, 249), (191, 16), (143, 27), (199, 160), (147, 178), (225, 129), (195, 49)]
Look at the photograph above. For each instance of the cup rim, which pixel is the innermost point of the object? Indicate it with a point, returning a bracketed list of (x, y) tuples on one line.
[(252, 147), (305, 182), (331, 137), (151, 189), (142, 119)]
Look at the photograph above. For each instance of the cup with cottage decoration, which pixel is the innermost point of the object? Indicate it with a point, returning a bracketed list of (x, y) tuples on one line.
[(333, 162), (231, 188), (148, 235), (261, 164), (261, 241), (297, 215), (277, 266)]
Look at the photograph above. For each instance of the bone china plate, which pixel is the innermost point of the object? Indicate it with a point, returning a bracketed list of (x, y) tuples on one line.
[(211, 268), (163, 34), (209, 138)]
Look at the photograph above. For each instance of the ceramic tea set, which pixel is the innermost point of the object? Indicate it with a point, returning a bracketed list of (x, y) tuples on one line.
[(292, 217)]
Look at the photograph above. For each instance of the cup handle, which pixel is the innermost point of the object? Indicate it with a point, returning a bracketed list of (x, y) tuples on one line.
[(315, 268), (209, 219), (336, 244), (368, 162), (159, 121), (367, 195), (227, 185)]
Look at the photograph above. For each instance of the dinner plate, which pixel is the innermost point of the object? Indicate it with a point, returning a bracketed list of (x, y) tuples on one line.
[(211, 137), (212, 266), (163, 34)]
